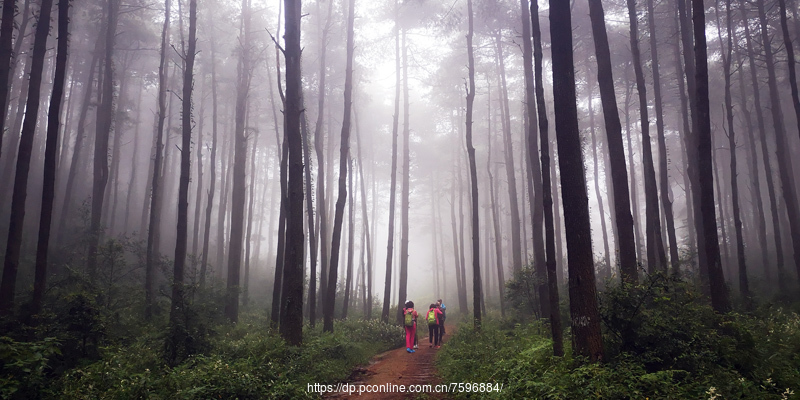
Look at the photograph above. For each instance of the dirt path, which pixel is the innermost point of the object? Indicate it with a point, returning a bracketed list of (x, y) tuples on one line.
[(398, 367)]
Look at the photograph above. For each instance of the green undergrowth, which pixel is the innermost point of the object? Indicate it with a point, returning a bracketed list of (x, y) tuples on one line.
[(248, 361), (661, 342)]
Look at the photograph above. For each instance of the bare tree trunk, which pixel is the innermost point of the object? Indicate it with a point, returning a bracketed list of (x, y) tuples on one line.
[(666, 203), (547, 192), (291, 327), (250, 218), (784, 163), (656, 257), (606, 270), (516, 248), (319, 145), (587, 340), (80, 134), (744, 287), (787, 44), (537, 207), (53, 125), (387, 287), (6, 54), (755, 182), (198, 196), (244, 74), (473, 172), (462, 275), (350, 239), (498, 248), (155, 192), (367, 240), (719, 293), (344, 156), (212, 165), (402, 290), (105, 114), (685, 138), (178, 341)]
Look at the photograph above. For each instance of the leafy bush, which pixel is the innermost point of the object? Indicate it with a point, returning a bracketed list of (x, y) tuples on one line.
[(246, 361), (23, 366), (662, 341)]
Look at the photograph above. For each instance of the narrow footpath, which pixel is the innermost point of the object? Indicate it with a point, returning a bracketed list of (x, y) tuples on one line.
[(398, 367)]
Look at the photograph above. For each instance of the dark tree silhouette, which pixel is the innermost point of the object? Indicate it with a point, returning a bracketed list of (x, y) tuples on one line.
[(14, 241), (587, 340)]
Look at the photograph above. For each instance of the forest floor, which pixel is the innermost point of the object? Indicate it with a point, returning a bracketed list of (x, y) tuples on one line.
[(397, 367)]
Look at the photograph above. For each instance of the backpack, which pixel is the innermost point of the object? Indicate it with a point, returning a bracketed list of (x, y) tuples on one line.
[(432, 317), (409, 318)]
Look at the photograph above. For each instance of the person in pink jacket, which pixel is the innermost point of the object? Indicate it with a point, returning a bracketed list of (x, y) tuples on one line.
[(410, 325)]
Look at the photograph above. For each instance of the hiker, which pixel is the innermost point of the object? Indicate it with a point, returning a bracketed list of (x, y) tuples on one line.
[(410, 324), (433, 319), (443, 308)]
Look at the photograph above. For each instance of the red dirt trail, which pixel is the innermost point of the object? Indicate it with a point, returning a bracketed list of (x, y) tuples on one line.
[(398, 367)]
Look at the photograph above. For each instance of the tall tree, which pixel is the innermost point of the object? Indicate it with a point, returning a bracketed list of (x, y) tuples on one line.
[(177, 342), (213, 163), (727, 53), (666, 203), (516, 246), (656, 256), (105, 111), (719, 293), (537, 208), (319, 146), (477, 294), (291, 321), (344, 157), (619, 173), (754, 81), (14, 241), (53, 126), (587, 340), (784, 162), (244, 75), (367, 240), (403, 286), (155, 191), (790, 196), (6, 54), (547, 195), (387, 286)]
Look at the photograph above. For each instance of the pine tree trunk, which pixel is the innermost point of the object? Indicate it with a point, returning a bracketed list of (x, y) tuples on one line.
[(473, 172), (605, 271), (685, 141), (537, 208), (666, 203), (516, 248), (53, 125), (238, 190), (344, 156), (6, 54), (367, 240), (547, 192), (784, 163), (402, 290), (656, 256), (319, 146), (587, 340), (498, 248), (719, 293), (291, 327), (744, 286), (350, 239), (155, 192), (179, 340), (387, 287), (212, 166)]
